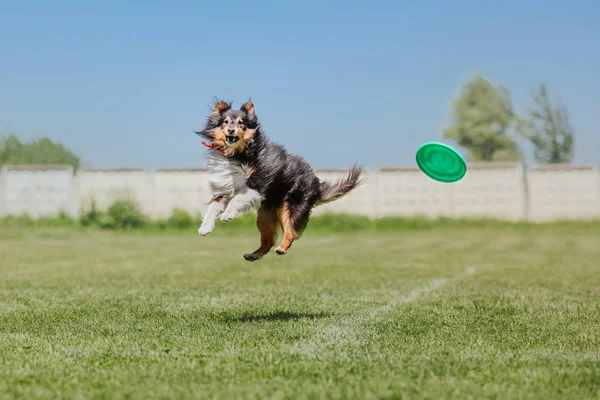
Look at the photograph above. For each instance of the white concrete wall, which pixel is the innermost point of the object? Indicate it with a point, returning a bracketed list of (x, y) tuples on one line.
[(105, 186), (490, 191), (494, 190), (43, 191), (409, 192), (558, 192), (187, 189)]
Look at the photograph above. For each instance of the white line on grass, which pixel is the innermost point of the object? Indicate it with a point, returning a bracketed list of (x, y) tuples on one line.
[(334, 338)]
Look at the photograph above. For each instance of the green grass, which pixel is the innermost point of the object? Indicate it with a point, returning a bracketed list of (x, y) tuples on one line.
[(483, 311)]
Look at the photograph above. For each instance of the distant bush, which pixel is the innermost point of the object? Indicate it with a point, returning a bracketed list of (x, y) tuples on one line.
[(106, 221), (90, 218), (120, 215), (161, 224), (123, 215), (179, 219)]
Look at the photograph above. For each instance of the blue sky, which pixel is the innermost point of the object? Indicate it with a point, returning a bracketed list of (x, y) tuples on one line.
[(126, 83)]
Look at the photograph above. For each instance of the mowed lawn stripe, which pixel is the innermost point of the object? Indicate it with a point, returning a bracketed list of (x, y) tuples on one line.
[(331, 340)]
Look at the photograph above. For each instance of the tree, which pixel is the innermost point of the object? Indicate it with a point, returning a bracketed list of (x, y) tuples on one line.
[(549, 129), (483, 116), (39, 151)]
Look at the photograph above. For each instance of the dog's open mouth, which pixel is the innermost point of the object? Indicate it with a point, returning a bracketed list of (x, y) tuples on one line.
[(231, 139)]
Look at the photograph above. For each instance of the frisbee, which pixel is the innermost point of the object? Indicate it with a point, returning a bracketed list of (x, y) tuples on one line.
[(441, 162)]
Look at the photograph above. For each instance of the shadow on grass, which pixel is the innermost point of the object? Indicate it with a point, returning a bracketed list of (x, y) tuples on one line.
[(275, 316)]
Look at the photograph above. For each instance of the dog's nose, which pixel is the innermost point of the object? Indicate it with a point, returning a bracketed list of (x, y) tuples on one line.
[(231, 131)]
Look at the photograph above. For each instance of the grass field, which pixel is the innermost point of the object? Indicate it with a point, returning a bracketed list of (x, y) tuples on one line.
[(433, 313)]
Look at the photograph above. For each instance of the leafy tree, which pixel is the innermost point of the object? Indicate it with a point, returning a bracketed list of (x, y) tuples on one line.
[(549, 129), (483, 115), (39, 151), (11, 150)]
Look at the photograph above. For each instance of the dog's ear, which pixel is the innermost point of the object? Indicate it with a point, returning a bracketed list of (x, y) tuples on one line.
[(248, 107), (221, 106)]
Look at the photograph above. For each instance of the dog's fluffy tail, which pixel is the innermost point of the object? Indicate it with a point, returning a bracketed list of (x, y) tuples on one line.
[(333, 191)]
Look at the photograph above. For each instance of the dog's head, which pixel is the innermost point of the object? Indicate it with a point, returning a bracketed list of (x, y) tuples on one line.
[(231, 130)]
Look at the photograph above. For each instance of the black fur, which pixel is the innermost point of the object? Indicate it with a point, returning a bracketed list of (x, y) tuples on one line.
[(283, 178)]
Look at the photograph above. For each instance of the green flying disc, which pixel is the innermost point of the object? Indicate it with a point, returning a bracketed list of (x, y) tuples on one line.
[(441, 162)]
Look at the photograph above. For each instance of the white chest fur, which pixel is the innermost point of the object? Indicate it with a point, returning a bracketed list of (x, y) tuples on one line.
[(226, 176)]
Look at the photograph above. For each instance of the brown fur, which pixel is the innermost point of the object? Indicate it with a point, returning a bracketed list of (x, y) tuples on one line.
[(248, 107), (218, 138), (284, 218), (221, 106), (245, 135), (266, 222)]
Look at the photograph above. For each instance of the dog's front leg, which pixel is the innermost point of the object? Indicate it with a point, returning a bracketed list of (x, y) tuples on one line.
[(241, 203), (215, 209)]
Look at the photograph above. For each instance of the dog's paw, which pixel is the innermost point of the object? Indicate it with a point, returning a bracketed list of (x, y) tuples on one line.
[(226, 217), (252, 256), (205, 230), (280, 251)]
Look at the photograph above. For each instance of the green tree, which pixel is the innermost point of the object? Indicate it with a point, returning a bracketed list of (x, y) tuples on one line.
[(549, 129), (39, 151), (483, 115)]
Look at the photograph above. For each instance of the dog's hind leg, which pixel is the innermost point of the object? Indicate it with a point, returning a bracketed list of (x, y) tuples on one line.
[(215, 209), (241, 203), (286, 220), (293, 217), (266, 222)]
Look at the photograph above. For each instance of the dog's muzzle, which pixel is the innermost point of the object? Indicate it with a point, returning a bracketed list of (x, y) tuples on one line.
[(231, 140)]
